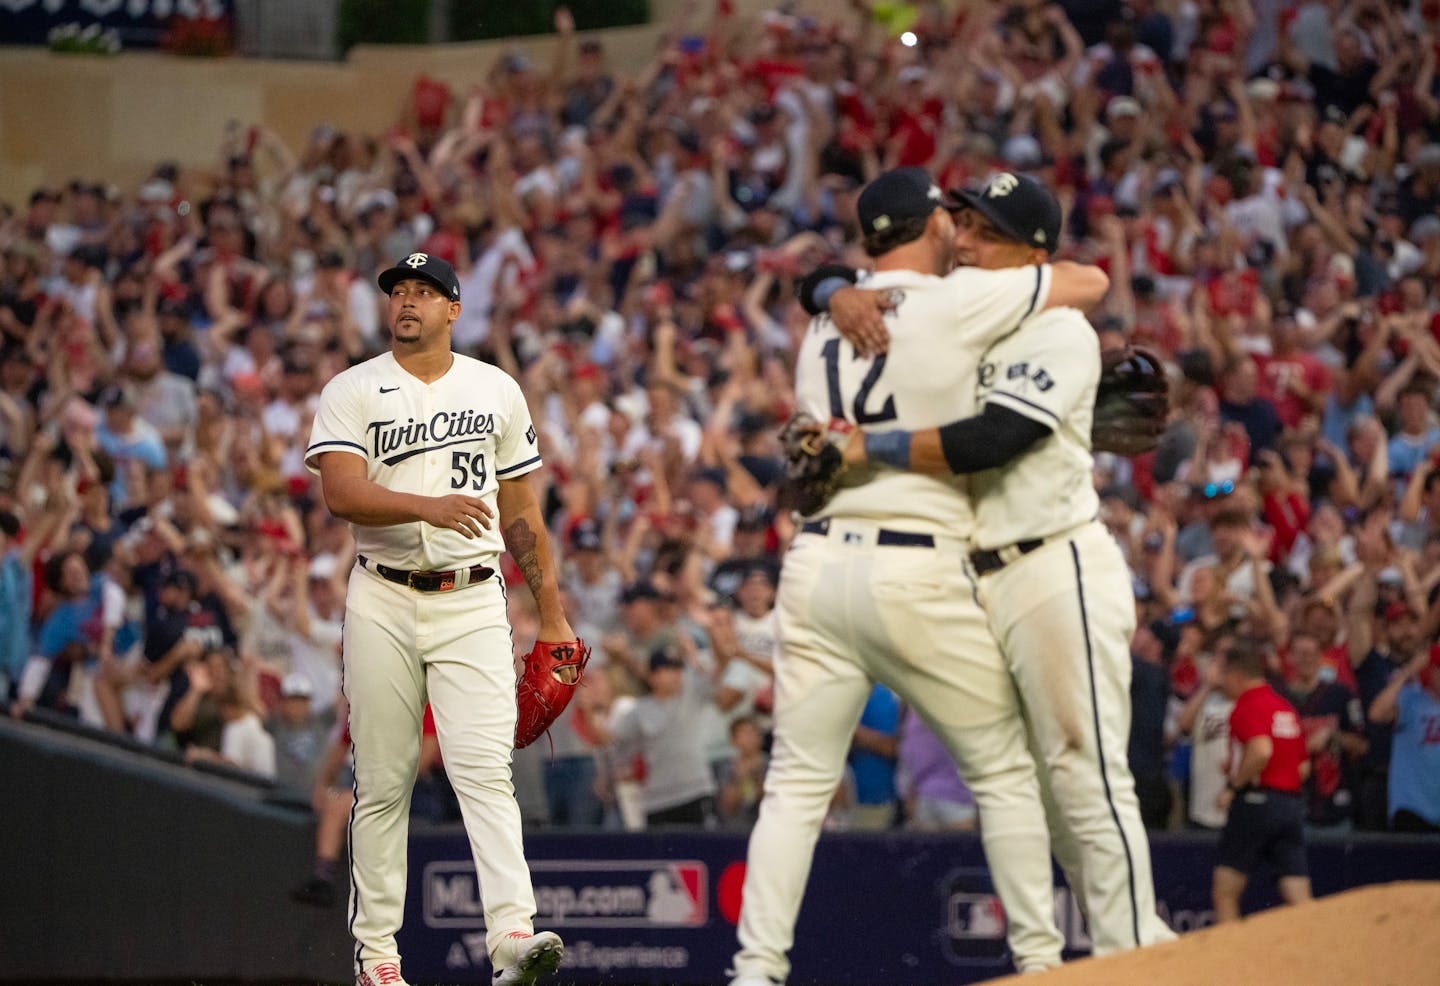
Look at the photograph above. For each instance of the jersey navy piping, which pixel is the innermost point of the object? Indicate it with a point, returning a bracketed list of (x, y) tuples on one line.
[(1031, 404), (335, 441), (350, 829), (1099, 746), (518, 465), (1039, 276)]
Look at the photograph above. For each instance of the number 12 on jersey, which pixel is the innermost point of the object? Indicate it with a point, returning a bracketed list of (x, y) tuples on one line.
[(861, 401)]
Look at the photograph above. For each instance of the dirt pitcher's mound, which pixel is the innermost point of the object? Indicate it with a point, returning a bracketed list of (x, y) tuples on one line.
[(1385, 935)]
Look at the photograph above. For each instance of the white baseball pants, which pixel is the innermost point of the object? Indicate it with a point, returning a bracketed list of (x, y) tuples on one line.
[(852, 611), (402, 648), (1064, 615)]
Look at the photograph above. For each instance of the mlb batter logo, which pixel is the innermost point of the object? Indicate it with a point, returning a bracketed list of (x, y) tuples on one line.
[(976, 916), (677, 896), (974, 921)]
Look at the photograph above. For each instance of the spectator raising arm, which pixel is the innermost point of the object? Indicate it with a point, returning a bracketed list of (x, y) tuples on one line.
[(1385, 706)]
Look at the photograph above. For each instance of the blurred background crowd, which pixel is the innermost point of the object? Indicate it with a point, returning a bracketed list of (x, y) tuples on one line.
[(1260, 180)]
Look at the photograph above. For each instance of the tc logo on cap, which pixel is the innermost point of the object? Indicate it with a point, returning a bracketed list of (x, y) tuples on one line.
[(436, 270), (1001, 185)]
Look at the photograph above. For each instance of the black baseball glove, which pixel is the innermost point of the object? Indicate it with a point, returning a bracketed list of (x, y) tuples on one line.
[(814, 462), (1132, 402)]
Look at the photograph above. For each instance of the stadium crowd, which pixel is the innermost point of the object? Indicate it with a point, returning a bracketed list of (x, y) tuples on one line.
[(1260, 180)]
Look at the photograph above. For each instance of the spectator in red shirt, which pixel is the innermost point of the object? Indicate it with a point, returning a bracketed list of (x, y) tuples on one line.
[(1284, 492), (916, 118), (1320, 618), (1295, 381), (1158, 322), (1266, 821)]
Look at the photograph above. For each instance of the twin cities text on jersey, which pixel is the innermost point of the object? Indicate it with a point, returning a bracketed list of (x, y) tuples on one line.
[(392, 443)]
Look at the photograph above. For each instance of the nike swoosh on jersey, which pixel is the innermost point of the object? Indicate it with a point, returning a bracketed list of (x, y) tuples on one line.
[(388, 390)]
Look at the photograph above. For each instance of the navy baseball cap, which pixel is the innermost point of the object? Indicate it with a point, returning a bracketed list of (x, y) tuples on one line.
[(425, 266), (1018, 206), (637, 591), (667, 656), (115, 396), (181, 579), (585, 536), (898, 195)]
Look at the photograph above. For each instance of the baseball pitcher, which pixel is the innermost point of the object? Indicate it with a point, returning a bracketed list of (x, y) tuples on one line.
[(419, 449)]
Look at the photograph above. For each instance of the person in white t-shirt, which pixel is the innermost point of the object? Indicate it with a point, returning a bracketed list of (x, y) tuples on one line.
[(591, 582), (746, 638), (1205, 718), (311, 605), (295, 404), (716, 515), (664, 423), (244, 741)]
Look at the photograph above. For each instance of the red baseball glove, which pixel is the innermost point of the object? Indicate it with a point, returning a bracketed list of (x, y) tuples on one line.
[(548, 682)]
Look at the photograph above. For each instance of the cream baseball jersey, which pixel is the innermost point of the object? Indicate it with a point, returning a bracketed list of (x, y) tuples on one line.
[(461, 434), (1047, 371), (938, 329)]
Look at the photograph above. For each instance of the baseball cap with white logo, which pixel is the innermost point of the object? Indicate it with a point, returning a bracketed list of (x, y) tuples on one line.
[(1123, 106), (895, 196), (1018, 206), (425, 266), (296, 685)]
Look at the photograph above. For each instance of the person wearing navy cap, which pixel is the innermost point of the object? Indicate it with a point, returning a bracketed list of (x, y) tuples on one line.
[(420, 448), (1054, 586), (1019, 207), (877, 576), (425, 267)]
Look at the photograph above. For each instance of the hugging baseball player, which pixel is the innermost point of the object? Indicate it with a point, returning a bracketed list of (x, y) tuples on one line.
[(1052, 581), (419, 449), (876, 588)]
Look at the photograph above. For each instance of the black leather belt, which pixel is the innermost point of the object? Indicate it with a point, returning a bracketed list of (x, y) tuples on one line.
[(426, 581), (894, 539), (1260, 789), (995, 559)]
